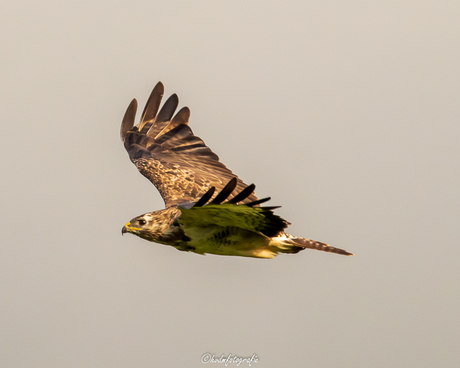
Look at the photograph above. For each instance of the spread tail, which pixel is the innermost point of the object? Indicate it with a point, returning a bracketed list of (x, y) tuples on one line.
[(286, 243)]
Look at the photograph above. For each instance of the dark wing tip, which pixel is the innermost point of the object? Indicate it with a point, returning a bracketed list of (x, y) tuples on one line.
[(205, 198), (153, 103), (246, 192), (259, 201), (162, 118), (224, 193), (128, 119), (182, 117), (168, 109)]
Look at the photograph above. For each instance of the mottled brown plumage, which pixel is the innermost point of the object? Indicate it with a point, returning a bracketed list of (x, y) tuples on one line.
[(208, 208), (165, 151)]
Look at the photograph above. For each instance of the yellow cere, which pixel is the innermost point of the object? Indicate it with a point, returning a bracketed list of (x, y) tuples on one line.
[(128, 225)]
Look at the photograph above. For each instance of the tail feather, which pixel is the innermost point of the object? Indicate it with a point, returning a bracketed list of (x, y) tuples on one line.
[(286, 243)]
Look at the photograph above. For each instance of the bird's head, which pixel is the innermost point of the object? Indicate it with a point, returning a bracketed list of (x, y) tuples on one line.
[(145, 226), (142, 226)]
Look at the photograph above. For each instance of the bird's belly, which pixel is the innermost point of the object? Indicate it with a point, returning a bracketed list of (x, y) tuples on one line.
[(228, 241)]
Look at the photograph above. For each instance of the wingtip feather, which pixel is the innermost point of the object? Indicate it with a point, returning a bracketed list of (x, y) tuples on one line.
[(128, 119), (153, 104), (224, 193)]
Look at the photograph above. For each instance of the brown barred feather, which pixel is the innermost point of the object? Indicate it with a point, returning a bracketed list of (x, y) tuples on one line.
[(165, 151)]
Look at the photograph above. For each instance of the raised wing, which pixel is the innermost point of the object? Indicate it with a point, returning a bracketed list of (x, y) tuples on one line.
[(165, 151)]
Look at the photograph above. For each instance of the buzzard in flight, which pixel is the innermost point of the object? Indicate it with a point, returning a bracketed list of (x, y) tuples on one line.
[(208, 208)]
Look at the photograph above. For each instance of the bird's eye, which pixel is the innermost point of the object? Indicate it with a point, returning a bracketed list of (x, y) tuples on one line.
[(142, 222)]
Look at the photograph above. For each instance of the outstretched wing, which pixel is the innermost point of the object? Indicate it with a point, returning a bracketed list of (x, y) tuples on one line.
[(248, 216), (165, 151)]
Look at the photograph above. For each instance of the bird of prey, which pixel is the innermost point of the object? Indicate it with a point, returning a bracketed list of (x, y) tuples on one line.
[(208, 208)]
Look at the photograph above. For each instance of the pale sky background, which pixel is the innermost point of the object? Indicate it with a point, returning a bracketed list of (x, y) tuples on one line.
[(345, 113)]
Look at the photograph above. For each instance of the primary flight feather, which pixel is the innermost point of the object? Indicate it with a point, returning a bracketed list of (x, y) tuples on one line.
[(208, 208)]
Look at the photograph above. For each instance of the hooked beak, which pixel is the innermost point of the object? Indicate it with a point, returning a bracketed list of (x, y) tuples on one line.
[(125, 228)]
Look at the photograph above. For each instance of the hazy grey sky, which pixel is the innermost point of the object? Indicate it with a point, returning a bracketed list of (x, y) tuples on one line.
[(345, 113)]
